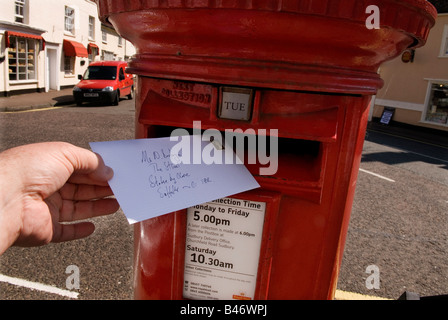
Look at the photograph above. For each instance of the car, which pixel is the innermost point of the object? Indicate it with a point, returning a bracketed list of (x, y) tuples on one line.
[(104, 81)]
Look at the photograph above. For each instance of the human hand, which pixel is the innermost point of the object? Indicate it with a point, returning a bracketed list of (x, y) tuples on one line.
[(44, 184)]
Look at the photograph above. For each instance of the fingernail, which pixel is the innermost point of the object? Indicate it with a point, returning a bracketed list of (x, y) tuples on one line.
[(109, 172)]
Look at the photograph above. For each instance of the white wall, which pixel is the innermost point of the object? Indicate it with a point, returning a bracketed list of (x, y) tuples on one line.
[(48, 15)]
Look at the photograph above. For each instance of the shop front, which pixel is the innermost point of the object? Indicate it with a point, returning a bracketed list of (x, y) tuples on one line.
[(23, 62)]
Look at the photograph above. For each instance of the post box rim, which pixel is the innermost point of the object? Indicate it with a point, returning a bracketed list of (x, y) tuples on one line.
[(107, 8), (405, 24)]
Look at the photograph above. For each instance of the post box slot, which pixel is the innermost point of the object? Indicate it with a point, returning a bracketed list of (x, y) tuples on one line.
[(299, 169)]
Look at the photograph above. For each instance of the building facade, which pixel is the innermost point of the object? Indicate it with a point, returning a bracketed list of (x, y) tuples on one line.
[(46, 44), (416, 84)]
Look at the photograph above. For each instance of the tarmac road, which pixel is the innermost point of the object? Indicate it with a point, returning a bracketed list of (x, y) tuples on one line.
[(399, 221), (104, 260)]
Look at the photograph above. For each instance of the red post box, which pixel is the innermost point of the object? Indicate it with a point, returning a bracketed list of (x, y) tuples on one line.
[(304, 68)]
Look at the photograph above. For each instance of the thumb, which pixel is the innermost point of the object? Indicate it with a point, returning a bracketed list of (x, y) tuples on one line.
[(88, 167)]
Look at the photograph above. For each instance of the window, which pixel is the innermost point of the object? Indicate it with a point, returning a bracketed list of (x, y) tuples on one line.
[(91, 28), (444, 46), (107, 55), (69, 65), (93, 54), (93, 51), (69, 22), (120, 41), (104, 36), (101, 73), (21, 58), (437, 103), (20, 11)]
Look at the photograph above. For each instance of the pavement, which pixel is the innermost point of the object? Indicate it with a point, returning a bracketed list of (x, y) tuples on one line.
[(53, 98), (36, 100)]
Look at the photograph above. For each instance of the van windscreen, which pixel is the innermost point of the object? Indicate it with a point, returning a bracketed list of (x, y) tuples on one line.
[(101, 73)]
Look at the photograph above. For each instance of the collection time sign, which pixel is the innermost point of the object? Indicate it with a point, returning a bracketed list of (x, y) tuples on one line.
[(222, 249)]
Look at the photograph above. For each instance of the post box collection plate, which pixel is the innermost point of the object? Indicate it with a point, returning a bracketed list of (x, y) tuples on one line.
[(222, 249)]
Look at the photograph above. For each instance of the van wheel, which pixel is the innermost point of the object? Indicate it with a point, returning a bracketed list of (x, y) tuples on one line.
[(116, 100), (131, 95)]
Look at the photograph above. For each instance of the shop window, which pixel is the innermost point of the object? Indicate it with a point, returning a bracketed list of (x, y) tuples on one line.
[(69, 65), (444, 46), (92, 56), (22, 59), (437, 105), (93, 51)]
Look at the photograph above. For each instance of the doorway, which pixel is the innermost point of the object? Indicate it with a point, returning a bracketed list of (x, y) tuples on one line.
[(51, 72)]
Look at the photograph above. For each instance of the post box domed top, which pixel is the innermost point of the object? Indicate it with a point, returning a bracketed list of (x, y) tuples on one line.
[(398, 13), (246, 38)]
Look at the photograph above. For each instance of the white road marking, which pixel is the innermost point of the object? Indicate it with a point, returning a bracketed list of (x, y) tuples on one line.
[(426, 156), (376, 175), (33, 110), (38, 286)]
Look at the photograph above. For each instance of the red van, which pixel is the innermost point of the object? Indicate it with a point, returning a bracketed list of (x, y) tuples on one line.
[(104, 81)]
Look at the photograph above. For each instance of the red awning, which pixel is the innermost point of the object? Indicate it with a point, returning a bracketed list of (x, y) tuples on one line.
[(74, 49), (23, 35), (94, 46)]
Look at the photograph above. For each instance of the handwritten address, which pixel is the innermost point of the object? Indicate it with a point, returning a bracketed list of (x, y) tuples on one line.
[(168, 178)]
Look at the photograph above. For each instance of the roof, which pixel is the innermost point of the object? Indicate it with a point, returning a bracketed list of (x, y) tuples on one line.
[(108, 63), (441, 5)]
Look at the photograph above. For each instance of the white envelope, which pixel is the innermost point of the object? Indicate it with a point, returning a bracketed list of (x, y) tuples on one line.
[(148, 181)]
